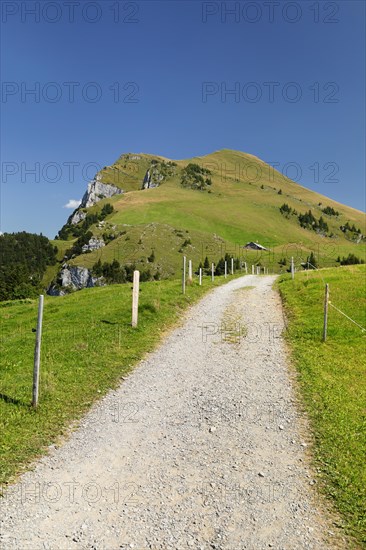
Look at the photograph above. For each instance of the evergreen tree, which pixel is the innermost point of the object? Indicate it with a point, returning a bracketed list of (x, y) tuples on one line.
[(220, 267), (97, 269), (311, 262), (285, 210), (206, 265), (200, 266), (24, 260), (323, 226), (329, 210), (351, 260), (145, 275)]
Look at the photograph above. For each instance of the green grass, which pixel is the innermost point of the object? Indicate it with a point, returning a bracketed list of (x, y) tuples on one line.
[(139, 240), (88, 344), (236, 211), (332, 381)]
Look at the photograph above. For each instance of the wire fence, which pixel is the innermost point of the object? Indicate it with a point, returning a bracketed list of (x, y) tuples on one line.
[(329, 301), (347, 316), (90, 333)]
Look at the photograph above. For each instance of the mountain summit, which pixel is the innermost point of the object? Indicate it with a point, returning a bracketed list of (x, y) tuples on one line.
[(148, 211)]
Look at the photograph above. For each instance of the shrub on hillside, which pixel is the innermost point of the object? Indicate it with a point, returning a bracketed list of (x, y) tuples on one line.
[(308, 221), (350, 260), (195, 177), (330, 211), (77, 230), (115, 273), (311, 262), (286, 210), (348, 227)]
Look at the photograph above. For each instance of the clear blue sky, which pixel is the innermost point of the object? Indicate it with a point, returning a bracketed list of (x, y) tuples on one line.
[(169, 51)]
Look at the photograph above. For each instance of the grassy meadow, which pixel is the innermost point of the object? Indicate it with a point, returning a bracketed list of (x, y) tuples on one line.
[(241, 205), (332, 380)]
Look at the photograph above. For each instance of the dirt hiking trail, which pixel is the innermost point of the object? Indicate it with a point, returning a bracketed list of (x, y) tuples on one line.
[(202, 447)]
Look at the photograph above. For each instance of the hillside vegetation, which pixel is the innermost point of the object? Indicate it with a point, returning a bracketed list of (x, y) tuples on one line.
[(24, 260), (222, 200), (332, 377)]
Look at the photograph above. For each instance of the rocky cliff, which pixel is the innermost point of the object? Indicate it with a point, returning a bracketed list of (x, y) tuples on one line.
[(93, 244), (73, 278), (96, 191)]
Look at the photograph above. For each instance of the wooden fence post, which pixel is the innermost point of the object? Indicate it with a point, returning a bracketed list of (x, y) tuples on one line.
[(135, 298), (292, 268), (232, 266), (245, 267), (184, 275), (213, 272), (225, 270), (37, 353), (200, 276), (252, 269), (190, 271), (326, 302)]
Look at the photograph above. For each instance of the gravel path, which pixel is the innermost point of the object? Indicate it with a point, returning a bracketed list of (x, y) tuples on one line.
[(201, 447)]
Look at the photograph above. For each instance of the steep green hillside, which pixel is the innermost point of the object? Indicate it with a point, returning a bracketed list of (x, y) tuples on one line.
[(241, 203)]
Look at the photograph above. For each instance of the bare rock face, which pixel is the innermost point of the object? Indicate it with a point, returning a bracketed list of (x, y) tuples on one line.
[(93, 244), (78, 217), (96, 192), (76, 277), (152, 178), (73, 278)]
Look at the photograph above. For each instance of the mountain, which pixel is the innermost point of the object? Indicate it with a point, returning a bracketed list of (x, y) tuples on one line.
[(149, 211)]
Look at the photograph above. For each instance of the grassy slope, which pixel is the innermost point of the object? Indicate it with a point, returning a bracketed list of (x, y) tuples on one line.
[(237, 210), (139, 241), (88, 344), (332, 379)]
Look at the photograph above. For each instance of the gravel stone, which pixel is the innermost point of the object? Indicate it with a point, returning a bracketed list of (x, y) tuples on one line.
[(175, 457)]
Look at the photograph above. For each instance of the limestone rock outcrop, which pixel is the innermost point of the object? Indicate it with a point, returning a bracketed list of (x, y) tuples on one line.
[(73, 278)]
